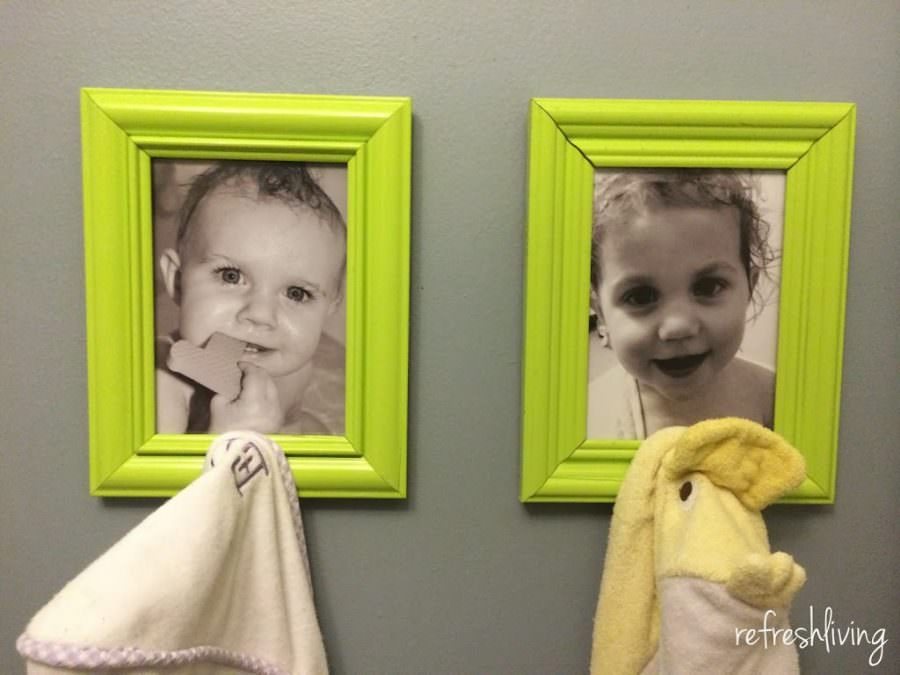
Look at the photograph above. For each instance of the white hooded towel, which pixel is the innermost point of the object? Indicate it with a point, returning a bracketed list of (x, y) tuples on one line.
[(214, 581)]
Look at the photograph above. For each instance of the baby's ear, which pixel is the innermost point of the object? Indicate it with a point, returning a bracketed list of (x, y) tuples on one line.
[(595, 303), (595, 299), (597, 323), (170, 266)]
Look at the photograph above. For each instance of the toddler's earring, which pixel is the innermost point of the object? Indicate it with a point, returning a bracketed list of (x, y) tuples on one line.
[(603, 335)]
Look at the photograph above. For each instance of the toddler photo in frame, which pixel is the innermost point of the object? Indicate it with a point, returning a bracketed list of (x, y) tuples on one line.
[(674, 274), (684, 298)]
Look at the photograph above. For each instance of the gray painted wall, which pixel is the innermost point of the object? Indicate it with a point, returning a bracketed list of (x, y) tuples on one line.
[(460, 578)]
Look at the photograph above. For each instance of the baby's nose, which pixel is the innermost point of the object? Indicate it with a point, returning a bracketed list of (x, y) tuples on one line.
[(259, 309)]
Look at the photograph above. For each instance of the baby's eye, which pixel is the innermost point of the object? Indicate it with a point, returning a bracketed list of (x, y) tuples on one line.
[(709, 287), (640, 296), (298, 294), (229, 275)]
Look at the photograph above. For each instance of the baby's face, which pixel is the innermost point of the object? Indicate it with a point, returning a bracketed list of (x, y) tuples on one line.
[(674, 296), (261, 271)]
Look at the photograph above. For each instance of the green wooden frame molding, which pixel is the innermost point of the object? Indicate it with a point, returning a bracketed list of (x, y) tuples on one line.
[(569, 138), (122, 130)]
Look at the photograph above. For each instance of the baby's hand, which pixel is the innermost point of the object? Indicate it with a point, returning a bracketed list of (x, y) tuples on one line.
[(256, 408)]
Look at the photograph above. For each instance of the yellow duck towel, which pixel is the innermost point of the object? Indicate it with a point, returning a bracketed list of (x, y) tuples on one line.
[(688, 561)]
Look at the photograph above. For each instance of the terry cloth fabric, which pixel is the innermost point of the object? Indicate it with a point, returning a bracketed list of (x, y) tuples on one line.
[(688, 561), (214, 581)]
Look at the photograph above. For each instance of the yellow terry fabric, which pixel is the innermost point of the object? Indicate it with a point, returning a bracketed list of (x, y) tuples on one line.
[(753, 463), (626, 623), (707, 540), (689, 508)]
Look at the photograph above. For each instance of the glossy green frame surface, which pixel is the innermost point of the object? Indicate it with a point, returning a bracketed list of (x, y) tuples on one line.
[(122, 131), (569, 138)]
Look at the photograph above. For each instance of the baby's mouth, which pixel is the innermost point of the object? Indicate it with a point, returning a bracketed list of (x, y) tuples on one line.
[(253, 348), (681, 366)]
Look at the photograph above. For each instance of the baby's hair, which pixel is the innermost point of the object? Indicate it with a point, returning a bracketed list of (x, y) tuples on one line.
[(289, 182), (618, 198)]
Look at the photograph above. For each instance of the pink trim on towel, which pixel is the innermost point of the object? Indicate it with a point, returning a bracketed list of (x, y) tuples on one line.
[(61, 655)]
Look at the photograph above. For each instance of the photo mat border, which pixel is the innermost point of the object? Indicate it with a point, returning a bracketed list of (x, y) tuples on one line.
[(122, 131), (570, 138)]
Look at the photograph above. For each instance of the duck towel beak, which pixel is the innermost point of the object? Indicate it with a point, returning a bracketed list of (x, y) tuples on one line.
[(214, 581)]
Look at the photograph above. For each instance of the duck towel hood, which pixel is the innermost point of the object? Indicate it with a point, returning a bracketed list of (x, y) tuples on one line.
[(214, 581)]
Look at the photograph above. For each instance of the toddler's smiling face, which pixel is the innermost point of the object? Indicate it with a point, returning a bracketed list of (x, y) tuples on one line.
[(673, 296)]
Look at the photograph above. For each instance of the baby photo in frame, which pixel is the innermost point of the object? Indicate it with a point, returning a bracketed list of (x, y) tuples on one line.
[(249, 309), (246, 266), (627, 199)]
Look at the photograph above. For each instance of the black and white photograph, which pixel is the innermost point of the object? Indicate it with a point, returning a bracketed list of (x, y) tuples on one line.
[(250, 267), (685, 268)]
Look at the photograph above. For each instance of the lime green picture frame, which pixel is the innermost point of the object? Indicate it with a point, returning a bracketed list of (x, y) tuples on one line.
[(569, 139), (122, 131)]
